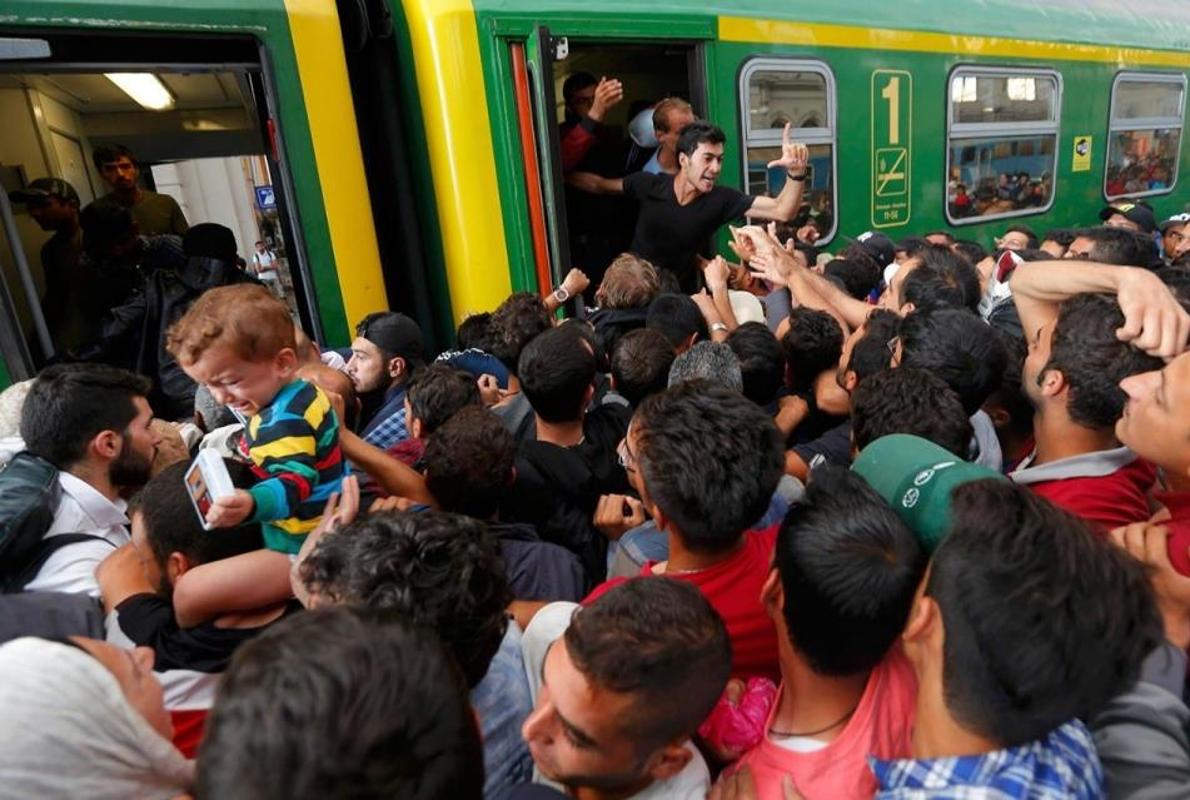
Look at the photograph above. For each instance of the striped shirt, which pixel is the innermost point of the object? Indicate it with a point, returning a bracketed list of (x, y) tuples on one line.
[(293, 444)]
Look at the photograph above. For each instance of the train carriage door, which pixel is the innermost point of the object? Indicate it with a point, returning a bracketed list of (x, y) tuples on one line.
[(183, 124), (533, 65)]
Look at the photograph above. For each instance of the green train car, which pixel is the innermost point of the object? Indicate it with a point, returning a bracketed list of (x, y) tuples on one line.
[(406, 155)]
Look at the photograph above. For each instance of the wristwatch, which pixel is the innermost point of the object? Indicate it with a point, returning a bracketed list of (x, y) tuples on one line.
[(561, 295), (718, 326)]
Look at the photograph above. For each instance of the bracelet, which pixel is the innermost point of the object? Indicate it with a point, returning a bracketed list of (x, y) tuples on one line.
[(718, 326), (793, 177), (561, 294)]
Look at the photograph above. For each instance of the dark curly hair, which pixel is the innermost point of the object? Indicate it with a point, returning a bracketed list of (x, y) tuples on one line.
[(469, 463), (520, 318), (913, 401), (436, 570), (710, 459), (812, 345), (341, 702), (436, 392), (1092, 359)]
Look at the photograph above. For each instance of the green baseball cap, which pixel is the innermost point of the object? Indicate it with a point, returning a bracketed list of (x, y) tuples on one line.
[(916, 477)]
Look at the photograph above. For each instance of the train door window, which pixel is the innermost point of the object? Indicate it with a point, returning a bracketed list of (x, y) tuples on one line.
[(1002, 138), (600, 227), (776, 91), (1145, 135), (200, 143)]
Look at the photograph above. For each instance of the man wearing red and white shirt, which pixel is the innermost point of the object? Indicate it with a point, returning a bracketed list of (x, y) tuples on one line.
[(1082, 343)]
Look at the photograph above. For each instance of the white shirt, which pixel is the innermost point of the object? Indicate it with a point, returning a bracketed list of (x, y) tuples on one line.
[(548, 625), (82, 509)]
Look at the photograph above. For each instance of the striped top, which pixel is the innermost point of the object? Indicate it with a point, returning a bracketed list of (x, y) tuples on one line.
[(293, 444)]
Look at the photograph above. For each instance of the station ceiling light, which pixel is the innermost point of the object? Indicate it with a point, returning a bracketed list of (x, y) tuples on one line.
[(143, 87)]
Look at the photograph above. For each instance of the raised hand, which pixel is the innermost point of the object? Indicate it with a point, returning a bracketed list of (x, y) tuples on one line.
[(795, 156), (608, 92), (1154, 321)]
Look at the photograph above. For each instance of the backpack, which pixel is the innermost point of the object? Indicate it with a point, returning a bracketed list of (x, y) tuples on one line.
[(29, 495)]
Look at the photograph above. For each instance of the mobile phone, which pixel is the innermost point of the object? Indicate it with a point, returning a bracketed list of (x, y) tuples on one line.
[(207, 480)]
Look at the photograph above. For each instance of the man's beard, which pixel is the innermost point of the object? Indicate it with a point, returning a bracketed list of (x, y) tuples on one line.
[(130, 469)]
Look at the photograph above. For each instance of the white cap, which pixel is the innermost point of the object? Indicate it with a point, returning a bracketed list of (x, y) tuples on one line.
[(641, 129), (746, 307)]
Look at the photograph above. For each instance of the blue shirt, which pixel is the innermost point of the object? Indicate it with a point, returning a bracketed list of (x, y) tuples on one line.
[(1061, 765), (387, 426), (502, 701)]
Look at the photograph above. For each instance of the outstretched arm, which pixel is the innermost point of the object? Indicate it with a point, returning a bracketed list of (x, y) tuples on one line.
[(795, 157), (595, 184), (393, 476)]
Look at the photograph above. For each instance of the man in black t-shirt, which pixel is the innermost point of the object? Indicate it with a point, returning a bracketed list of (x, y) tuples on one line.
[(137, 582), (679, 213)]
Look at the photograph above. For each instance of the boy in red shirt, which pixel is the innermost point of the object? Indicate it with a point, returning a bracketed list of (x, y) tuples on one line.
[(705, 461)]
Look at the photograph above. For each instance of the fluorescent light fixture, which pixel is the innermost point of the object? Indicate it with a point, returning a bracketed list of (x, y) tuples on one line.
[(143, 87)]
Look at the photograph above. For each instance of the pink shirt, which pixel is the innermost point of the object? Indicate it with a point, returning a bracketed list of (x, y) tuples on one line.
[(881, 726)]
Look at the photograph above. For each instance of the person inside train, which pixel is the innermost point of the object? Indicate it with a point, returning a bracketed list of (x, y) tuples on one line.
[(670, 116), (679, 214), (135, 333), (69, 312), (155, 214)]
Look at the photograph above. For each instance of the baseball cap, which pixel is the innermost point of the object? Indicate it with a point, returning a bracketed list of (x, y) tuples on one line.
[(640, 129), (1139, 213), (878, 246), (394, 333), (916, 477), (1176, 219), (43, 188)]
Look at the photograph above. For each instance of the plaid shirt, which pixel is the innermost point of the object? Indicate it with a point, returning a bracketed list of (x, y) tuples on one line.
[(387, 427), (1061, 765)]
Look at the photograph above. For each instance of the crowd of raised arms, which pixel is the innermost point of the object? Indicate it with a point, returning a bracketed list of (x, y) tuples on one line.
[(905, 520)]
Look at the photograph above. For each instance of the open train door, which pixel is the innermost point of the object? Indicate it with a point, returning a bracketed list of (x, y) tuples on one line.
[(533, 77)]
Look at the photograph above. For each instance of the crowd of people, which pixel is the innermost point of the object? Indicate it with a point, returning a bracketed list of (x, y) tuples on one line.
[(906, 520)]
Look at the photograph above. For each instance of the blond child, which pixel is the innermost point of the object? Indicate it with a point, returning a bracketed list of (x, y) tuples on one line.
[(239, 342)]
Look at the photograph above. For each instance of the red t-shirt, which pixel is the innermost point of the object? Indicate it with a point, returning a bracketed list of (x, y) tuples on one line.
[(1178, 504), (1119, 498), (733, 589)]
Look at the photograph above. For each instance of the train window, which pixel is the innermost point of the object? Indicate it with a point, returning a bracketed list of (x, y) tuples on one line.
[(1146, 134), (1002, 137), (774, 91)]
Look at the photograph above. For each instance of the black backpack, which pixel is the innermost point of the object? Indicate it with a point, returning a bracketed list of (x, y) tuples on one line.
[(29, 495)]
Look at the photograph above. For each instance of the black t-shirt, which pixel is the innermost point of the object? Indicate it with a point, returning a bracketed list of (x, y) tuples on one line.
[(148, 620), (557, 488), (671, 235), (832, 447)]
